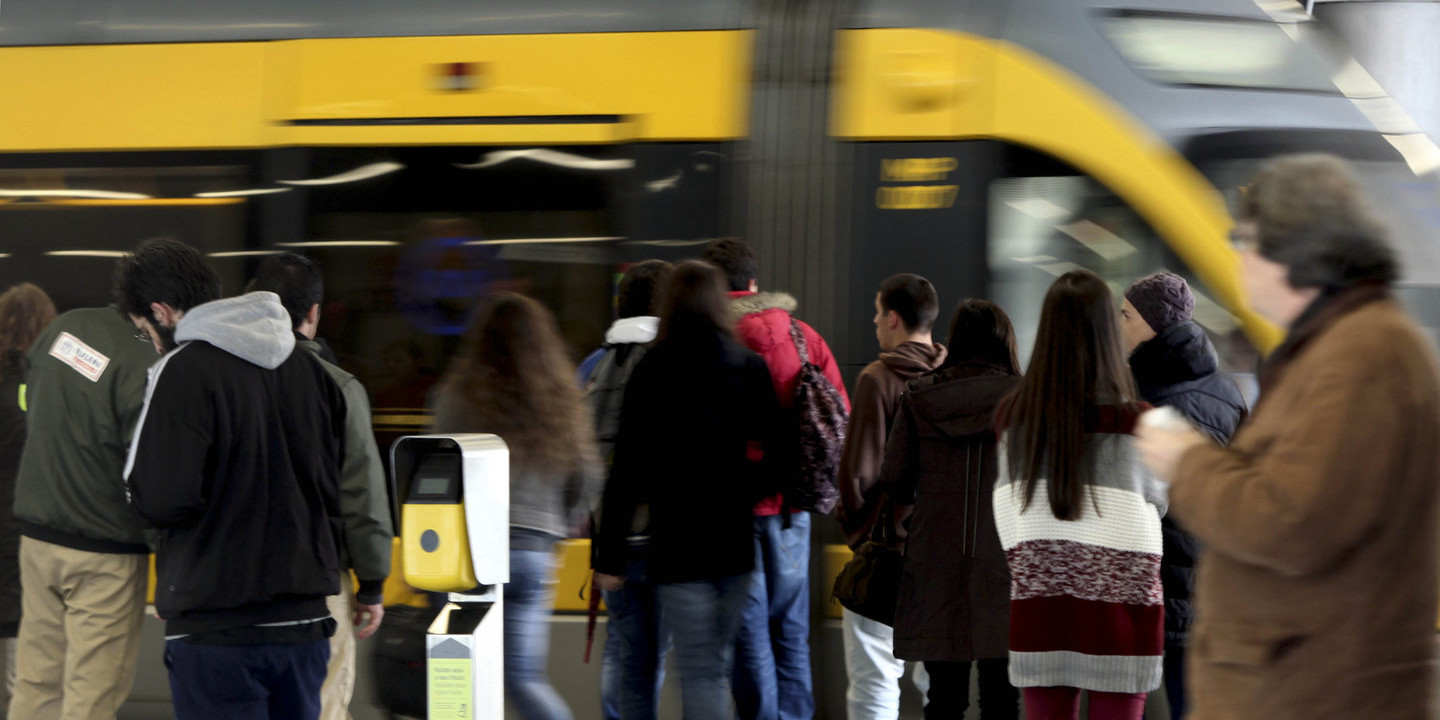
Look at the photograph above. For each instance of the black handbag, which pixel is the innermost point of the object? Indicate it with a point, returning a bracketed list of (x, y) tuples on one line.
[(869, 584)]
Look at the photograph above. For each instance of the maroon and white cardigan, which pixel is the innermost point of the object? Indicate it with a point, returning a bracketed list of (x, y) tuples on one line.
[(1086, 605)]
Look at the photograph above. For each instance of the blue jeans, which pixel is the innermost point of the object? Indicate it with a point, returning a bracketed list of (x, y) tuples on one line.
[(275, 681), (703, 618), (772, 656), (633, 668), (529, 598)]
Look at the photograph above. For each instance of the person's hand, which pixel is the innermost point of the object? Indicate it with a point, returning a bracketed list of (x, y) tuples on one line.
[(1161, 449), (609, 583), (366, 626)]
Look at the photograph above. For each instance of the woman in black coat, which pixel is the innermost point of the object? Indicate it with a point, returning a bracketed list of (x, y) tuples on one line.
[(954, 599), (699, 433), (25, 310)]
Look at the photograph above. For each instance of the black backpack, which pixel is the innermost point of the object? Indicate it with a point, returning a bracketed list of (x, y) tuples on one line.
[(820, 419), (606, 391)]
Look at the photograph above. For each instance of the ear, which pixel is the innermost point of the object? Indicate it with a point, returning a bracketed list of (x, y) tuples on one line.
[(164, 315), (754, 287), (313, 317), (893, 318)]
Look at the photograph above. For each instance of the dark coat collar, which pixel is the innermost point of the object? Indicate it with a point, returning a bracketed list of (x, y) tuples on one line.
[(1180, 353), (1312, 323)]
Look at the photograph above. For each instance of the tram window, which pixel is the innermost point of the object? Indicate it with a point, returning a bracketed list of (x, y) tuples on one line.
[(1043, 227), (410, 252), (1224, 52), (62, 227), (1409, 206)]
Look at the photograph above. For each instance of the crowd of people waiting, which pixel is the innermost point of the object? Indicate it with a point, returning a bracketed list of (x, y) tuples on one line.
[(1275, 561)]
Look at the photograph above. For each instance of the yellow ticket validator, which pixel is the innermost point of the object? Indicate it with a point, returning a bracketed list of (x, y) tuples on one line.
[(435, 540)]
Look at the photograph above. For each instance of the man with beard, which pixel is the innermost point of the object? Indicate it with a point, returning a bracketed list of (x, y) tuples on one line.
[(236, 461)]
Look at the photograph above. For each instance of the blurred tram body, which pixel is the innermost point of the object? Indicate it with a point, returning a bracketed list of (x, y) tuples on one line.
[(433, 151)]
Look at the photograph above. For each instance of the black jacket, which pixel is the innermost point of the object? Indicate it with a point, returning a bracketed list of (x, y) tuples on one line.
[(699, 428), (12, 443), (1178, 368), (237, 461), (954, 597)]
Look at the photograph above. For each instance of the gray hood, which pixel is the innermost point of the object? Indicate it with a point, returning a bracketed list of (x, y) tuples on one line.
[(253, 327)]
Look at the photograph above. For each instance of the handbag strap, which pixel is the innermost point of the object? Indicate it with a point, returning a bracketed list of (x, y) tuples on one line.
[(798, 337)]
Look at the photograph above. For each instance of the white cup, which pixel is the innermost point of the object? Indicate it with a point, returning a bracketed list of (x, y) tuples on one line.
[(1165, 418)]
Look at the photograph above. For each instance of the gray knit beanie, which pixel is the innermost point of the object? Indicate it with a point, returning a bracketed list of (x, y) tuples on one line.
[(1163, 299)]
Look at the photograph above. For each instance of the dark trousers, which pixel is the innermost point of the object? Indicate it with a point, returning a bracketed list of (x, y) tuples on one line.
[(278, 681), (1175, 679), (949, 693)]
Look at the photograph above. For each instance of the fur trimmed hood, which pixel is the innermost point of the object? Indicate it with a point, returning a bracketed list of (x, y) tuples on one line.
[(748, 303)]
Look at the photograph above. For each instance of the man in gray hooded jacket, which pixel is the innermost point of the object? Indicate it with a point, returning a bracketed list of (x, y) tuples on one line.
[(236, 460), (364, 497)]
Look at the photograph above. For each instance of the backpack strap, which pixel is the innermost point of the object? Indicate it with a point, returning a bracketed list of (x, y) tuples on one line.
[(798, 337)]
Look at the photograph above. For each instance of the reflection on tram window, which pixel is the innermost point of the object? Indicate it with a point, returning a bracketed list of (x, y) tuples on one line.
[(1408, 204), (64, 227), (1043, 227), (1225, 52), (411, 252)]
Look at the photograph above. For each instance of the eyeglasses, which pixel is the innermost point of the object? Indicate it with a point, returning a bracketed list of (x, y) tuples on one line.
[(1242, 241), (142, 336)]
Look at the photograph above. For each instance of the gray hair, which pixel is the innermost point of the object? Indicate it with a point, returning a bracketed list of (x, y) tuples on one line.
[(1311, 215)]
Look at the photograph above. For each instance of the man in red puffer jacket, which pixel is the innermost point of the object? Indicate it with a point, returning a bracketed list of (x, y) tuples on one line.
[(772, 655)]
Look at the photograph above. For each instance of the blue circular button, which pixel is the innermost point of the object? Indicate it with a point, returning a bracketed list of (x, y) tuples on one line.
[(429, 540)]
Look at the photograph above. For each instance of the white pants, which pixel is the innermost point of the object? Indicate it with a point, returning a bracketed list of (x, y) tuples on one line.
[(873, 670)]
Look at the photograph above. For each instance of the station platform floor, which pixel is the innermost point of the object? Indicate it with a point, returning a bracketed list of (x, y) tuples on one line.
[(577, 682)]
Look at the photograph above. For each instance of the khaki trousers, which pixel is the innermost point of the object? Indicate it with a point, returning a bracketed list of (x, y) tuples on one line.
[(79, 631), (339, 687)]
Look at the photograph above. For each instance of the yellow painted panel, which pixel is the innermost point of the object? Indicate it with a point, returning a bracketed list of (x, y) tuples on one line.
[(832, 562), (397, 591), (1042, 106), (910, 84), (150, 584), (539, 134), (63, 203), (675, 85), (1005, 92), (664, 86), (131, 96), (572, 572)]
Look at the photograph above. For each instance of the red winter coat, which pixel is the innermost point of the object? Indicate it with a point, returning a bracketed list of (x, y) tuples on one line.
[(764, 326)]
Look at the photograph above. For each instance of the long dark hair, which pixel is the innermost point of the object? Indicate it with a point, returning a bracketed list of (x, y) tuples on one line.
[(512, 377), (695, 302), (980, 331), (1078, 362)]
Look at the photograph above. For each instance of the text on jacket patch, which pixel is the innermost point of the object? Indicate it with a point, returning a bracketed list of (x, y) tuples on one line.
[(80, 357)]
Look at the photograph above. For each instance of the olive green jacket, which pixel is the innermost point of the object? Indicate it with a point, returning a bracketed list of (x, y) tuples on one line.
[(84, 389), (364, 491)]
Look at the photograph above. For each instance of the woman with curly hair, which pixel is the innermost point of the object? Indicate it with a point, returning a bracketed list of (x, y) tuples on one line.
[(25, 310), (513, 378)]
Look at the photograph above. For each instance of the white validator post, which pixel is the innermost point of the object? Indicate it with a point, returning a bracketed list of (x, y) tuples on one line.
[(455, 538)]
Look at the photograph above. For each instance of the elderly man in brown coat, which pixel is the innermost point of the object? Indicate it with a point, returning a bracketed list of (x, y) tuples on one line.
[(1318, 592)]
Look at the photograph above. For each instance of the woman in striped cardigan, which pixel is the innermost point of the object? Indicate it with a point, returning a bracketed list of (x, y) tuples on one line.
[(1079, 518)]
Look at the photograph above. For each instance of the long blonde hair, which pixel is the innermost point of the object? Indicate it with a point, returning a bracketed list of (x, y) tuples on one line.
[(512, 378)]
